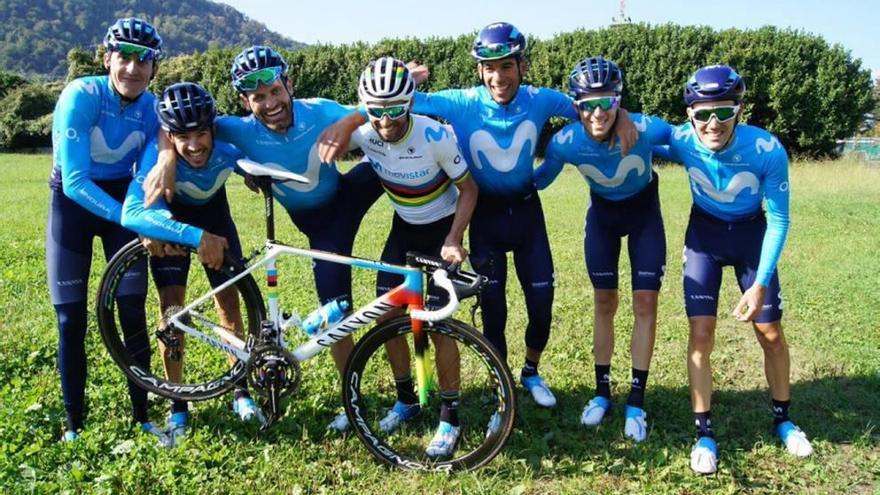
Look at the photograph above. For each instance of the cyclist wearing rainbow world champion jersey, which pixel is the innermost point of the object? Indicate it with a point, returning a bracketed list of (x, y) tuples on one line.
[(100, 124), (733, 167), (420, 167), (497, 125), (624, 201), (284, 131), (199, 218)]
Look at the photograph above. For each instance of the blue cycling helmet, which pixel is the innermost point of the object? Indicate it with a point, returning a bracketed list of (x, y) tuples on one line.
[(595, 75), (714, 83), (185, 107), (499, 40), (255, 59), (134, 31)]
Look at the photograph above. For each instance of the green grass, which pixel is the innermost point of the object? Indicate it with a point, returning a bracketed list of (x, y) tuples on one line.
[(829, 274)]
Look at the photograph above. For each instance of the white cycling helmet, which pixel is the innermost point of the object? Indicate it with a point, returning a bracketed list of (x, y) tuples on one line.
[(386, 79)]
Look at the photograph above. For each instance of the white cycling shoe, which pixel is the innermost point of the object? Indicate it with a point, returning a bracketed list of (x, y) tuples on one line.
[(443, 443), (539, 390), (398, 414), (704, 456), (247, 410), (340, 423), (794, 439), (595, 411), (636, 425)]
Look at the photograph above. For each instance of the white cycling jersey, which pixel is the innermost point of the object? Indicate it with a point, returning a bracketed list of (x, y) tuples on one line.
[(419, 171)]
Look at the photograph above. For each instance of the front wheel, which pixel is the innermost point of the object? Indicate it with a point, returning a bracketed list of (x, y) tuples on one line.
[(204, 362), (485, 406)]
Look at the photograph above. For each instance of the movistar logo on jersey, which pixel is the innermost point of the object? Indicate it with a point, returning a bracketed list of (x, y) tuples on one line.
[(102, 152), (701, 184), (192, 190), (438, 134), (626, 165), (767, 145), (486, 151)]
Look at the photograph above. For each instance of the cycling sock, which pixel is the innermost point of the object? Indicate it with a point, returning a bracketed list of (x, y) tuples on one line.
[(780, 411), (449, 407), (703, 422), (179, 406), (530, 368), (637, 391), (72, 360), (406, 391), (603, 380)]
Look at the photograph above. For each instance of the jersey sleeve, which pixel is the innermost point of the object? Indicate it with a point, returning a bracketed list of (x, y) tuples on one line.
[(776, 193), (558, 104), (553, 162), (358, 136), (154, 222), (658, 131), (75, 114), (228, 128), (446, 104)]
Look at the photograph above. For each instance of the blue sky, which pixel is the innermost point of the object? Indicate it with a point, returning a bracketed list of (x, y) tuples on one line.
[(852, 23)]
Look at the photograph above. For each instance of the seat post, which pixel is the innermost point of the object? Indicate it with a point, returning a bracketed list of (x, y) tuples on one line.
[(266, 189)]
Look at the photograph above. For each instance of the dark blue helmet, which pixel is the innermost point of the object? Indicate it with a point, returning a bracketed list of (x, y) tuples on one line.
[(499, 40), (256, 65), (714, 83), (595, 75), (133, 31), (185, 107)]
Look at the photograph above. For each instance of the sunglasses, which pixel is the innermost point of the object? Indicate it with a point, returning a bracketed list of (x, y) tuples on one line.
[(128, 49), (393, 112), (494, 50), (265, 76), (606, 103), (722, 114)]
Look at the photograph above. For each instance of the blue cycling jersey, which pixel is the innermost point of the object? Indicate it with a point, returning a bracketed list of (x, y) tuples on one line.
[(295, 150), (96, 136), (497, 141), (730, 184), (194, 186), (610, 176)]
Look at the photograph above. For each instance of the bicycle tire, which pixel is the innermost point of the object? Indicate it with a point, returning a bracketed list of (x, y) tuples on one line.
[(368, 391), (214, 361)]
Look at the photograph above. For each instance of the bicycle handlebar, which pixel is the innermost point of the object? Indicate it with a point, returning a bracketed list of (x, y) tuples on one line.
[(441, 279)]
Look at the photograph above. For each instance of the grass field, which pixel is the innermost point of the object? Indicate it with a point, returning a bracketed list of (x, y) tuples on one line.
[(830, 274)]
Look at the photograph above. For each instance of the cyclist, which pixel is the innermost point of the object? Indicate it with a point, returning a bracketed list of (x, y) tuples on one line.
[(497, 125), (199, 218), (100, 125), (733, 168), (283, 130), (623, 202), (418, 162)]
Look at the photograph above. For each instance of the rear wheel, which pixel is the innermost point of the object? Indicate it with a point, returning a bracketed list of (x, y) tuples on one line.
[(209, 366), (485, 404)]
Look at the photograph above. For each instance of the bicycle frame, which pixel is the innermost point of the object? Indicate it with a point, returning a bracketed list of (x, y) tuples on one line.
[(408, 294)]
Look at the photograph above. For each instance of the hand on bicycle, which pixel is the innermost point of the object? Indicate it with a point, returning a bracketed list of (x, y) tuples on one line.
[(211, 249), (453, 252)]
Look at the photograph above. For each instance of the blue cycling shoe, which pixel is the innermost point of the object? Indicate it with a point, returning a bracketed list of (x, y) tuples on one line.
[(398, 414), (69, 436)]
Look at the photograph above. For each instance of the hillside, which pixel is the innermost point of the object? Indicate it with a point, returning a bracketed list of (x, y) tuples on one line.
[(36, 34)]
